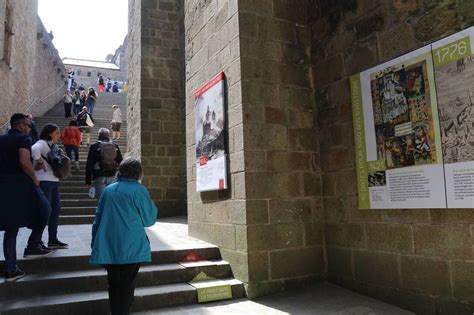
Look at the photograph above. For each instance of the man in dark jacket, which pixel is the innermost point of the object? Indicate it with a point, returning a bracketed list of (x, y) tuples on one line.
[(102, 162), (20, 193)]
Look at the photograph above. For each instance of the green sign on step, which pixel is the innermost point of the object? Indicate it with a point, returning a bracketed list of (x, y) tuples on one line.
[(221, 292)]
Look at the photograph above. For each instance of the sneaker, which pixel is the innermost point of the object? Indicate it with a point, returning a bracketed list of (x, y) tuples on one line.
[(14, 275), (36, 252), (44, 247), (57, 245)]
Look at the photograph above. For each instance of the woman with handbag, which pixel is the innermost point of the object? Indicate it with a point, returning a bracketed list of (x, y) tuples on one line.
[(85, 122), (119, 241), (49, 182)]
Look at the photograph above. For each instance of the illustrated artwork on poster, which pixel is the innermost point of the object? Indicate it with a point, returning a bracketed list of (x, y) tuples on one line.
[(414, 128), (211, 170), (454, 71)]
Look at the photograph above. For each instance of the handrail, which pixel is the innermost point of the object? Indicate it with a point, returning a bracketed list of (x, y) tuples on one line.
[(34, 102)]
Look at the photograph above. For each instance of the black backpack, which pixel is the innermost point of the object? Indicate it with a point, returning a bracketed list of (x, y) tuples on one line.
[(107, 156), (58, 161)]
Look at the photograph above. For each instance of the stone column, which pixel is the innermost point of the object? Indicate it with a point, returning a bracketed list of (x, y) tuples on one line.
[(156, 101), (268, 223)]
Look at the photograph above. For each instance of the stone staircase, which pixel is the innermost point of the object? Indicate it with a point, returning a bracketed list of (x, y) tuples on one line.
[(76, 207), (65, 283)]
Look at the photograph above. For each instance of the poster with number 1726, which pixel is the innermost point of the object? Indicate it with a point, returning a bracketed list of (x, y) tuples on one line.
[(209, 107)]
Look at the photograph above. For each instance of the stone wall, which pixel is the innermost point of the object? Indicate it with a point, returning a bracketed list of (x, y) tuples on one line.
[(423, 259), (282, 173), (49, 73), (212, 46), (134, 147), (34, 79), (268, 224), (161, 102)]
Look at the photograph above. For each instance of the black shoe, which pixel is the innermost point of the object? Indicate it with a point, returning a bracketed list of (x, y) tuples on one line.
[(44, 247), (36, 252), (57, 245), (14, 275)]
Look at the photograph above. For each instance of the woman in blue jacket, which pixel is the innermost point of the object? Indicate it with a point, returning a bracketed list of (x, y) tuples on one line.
[(119, 240)]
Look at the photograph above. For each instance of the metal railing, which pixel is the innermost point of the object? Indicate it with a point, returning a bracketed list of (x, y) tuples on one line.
[(35, 100)]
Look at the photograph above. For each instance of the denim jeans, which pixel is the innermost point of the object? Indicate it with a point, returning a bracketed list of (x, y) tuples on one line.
[(100, 183), (90, 106), (51, 191), (9, 249), (70, 149)]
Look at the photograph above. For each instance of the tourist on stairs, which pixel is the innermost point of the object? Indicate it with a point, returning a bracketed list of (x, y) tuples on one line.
[(119, 241), (116, 122), (85, 122), (49, 183), (90, 102), (71, 138), (102, 162), (23, 203)]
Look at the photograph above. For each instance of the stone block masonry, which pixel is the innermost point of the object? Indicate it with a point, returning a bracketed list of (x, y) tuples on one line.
[(156, 100), (413, 258), (33, 78)]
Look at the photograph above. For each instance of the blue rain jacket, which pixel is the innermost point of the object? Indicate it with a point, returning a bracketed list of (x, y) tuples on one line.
[(118, 232)]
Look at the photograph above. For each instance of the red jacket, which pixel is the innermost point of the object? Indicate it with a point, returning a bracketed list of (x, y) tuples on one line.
[(72, 136)]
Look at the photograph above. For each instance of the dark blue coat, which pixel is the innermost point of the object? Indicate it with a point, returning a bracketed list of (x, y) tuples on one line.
[(19, 197)]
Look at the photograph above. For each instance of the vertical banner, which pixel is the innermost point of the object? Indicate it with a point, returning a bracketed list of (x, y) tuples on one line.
[(209, 107)]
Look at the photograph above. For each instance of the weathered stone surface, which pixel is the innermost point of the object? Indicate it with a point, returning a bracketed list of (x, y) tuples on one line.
[(425, 275), (389, 238), (292, 263), (376, 267), (289, 210), (361, 57), (339, 261), (274, 236), (345, 234), (259, 268), (453, 242), (436, 23), (397, 41), (463, 278)]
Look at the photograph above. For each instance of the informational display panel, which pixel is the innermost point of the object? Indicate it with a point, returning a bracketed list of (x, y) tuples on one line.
[(414, 128), (211, 168)]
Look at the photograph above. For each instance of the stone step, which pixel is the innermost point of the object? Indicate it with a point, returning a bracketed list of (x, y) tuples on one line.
[(40, 284), (150, 297), (71, 183), (66, 260), (79, 210), (75, 219), (78, 203), (74, 189), (74, 195)]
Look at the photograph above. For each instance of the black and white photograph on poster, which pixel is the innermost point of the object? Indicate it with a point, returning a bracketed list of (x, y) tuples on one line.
[(211, 171)]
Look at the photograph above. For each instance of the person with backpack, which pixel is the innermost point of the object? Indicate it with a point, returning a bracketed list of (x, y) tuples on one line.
[(71, 138), (102, 162), (49, 163), (85, 122)]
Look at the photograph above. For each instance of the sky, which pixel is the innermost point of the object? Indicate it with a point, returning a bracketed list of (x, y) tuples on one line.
[(85, 29)]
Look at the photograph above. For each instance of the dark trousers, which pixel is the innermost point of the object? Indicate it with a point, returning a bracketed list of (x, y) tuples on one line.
[(43, 214), (51, 191), (70, 149), (9, 249), (121, 287), (67, 109)]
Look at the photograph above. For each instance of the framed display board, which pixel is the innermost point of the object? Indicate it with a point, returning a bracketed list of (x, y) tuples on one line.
[(414, 128), (209, 107)]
